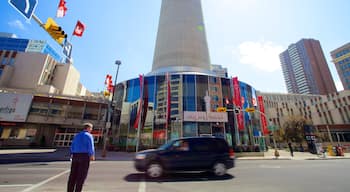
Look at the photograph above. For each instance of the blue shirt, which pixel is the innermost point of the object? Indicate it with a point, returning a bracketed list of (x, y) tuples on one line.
[(83, 142)]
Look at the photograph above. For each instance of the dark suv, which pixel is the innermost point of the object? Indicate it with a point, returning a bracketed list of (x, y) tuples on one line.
[(187, 154)]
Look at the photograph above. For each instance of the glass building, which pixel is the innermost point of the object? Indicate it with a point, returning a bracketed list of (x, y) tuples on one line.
[(167, 106)]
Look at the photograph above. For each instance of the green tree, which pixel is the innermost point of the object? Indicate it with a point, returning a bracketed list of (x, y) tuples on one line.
[(294, 129)]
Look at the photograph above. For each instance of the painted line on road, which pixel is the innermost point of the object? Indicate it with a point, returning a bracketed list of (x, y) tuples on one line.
[(46, 181), (31, 169), (142, 186), (270, 166), (16, 185)]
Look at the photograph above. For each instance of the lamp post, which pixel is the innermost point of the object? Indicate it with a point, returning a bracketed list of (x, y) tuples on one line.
[(110, 111)]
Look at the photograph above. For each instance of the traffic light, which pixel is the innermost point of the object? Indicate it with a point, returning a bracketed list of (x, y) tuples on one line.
[(55, 31)]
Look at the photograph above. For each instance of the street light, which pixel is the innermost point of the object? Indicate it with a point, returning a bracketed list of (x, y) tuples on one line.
[(110, 111)]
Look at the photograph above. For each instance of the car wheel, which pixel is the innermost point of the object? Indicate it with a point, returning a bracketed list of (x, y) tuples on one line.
[(219, 169), (154, 170)]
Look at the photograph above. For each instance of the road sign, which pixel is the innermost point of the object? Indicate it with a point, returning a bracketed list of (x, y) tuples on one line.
[(24, 7), (67, 49), (250, 110), (221, 109)]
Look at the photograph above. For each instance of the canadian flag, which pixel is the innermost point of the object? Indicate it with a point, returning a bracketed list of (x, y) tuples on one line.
[(62, 9), (79, 29)]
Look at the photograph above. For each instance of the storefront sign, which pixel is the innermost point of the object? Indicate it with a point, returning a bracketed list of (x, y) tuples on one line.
[(198, 116), (14, 107)]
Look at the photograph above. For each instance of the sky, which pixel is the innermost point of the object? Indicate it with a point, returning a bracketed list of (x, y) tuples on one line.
[(244, 36)]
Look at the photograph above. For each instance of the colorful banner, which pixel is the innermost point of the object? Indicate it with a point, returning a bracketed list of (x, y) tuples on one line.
[(168, 108), (238, 103), (262, 116), (136, 123)]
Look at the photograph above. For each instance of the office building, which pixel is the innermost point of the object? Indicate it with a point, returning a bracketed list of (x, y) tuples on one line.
[(305, 68), (341, 60)]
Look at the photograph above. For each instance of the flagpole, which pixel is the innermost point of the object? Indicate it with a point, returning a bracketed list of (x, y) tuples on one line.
[(140, 117)]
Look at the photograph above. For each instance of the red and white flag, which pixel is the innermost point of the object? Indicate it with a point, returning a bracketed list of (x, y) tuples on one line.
[(62, 9), (79, 29)]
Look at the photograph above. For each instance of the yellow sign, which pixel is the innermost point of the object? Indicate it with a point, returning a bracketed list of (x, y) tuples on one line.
[(221, 109), (250, 110)]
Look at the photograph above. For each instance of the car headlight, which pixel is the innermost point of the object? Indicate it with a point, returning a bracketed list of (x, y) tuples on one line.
[(140, 156)]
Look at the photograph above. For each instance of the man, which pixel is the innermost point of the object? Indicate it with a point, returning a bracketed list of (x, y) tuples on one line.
[(82, 152), (290, 148)]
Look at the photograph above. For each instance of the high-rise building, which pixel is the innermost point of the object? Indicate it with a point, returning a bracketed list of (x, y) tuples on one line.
[(305, 68), (181, 41), (341, 60)]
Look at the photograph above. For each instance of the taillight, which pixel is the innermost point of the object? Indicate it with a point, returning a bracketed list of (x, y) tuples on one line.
[(232, 153)]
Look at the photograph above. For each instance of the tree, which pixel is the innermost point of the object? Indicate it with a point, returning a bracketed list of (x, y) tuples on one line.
[(294, 129)]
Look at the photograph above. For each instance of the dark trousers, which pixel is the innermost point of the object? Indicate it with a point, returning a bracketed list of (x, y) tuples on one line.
[(78, 172)]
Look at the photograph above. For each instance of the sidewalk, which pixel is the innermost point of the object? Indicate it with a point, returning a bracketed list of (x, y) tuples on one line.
[(62, 154)]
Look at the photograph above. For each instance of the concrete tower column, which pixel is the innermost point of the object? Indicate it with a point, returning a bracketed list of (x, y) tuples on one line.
[(181, 44)]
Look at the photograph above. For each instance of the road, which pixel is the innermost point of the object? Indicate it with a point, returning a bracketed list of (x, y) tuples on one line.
[(247, 176)]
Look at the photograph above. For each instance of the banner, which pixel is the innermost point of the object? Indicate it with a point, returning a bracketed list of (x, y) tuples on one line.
[(14, 107), (262, 116), (238, 102), (168, 108)]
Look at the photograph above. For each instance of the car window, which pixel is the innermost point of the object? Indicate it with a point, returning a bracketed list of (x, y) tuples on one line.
[(180, 145), (201, 146)]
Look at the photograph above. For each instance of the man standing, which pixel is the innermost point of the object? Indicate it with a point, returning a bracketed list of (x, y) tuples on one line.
[(290, 148), (82, 152)]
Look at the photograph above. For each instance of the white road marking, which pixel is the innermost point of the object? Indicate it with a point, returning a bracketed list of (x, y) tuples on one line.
[(45, 181), (34, 169), (16, 185), (142, 186), (270, 166)]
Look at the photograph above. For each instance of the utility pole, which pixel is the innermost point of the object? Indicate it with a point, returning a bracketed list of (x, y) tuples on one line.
[(110, 112)]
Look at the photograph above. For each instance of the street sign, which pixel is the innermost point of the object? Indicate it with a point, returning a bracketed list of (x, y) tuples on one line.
[(67, 49), (24, 7), (221, 109), (250, 110)]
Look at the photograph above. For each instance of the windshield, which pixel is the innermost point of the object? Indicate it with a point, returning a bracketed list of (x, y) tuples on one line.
[(166, 145)]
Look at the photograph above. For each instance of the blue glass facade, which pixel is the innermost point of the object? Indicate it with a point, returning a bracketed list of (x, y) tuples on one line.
[(181, 105)]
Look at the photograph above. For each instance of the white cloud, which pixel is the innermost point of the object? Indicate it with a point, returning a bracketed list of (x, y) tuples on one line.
[(263, 55), (17, 24)]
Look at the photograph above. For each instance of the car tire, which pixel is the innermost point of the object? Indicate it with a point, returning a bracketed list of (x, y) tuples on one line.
[(154, 170), (219, 169)]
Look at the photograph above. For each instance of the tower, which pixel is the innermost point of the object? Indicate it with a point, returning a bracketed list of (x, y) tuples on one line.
[(181, 44), (305, 68)]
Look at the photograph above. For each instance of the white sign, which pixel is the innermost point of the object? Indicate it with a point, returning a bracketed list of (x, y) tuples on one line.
[(14, 107), (199, 116), (35, 46)]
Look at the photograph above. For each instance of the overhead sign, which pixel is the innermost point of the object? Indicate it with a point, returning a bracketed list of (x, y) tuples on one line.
[(14, 107), (24, 7)]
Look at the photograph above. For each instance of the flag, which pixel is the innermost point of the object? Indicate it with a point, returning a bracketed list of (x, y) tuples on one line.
[(62, 9), (79, 29), (262, 115), (168, 108), (138, 116), (238, 102)]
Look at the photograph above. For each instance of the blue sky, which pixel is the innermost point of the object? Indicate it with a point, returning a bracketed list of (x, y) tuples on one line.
[(245, 36)]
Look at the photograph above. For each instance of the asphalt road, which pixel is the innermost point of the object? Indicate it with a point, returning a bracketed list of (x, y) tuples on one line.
[(247, 176)]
